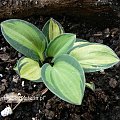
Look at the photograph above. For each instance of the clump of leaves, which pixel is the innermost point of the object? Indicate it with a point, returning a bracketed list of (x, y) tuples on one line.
[(56, 58)]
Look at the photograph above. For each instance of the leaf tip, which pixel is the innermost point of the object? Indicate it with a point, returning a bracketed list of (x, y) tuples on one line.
[(79, 102), (117, 59), (51, 19)]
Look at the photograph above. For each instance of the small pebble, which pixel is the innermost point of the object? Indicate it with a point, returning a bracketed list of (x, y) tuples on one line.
[(15, 78), (107, 32), (101, 71), (40, 111), (1, 75), (23, 83), (4, 82), (7, 111), (49, 114), (4, 3), (19, 55), (2, 88), (4, 57), (36, 2), (3, 49), (114, 31), (19, 94), (113, 83), (33, 119)]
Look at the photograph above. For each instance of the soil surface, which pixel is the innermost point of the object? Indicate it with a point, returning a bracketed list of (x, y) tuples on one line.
[(103, 104)]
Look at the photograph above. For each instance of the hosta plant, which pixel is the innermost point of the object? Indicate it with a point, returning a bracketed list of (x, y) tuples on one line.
[(58, 59)]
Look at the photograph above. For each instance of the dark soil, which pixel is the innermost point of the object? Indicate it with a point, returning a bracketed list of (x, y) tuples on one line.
[(103, 104)]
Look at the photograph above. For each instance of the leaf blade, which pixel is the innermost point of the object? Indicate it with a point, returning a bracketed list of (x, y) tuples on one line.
[(26, 37), (60, 45), (29, 69), (95, 57), (52, 29), (60, 81)]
